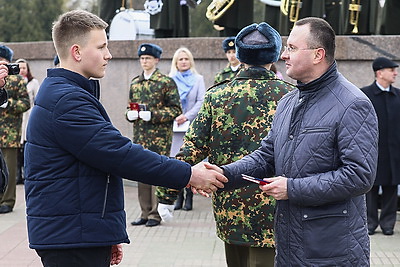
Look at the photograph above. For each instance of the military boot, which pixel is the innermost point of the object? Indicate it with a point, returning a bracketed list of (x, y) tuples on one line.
[(188, 200), (179, 201)]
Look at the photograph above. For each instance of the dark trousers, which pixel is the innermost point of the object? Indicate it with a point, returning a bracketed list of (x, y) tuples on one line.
[(76, 257), (387, 218), (244, 256), (9, 196)]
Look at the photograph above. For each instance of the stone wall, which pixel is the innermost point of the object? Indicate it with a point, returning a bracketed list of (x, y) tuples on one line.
[(354, 55)]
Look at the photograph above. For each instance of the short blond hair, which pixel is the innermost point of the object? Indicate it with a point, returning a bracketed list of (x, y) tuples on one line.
[(72, 28)]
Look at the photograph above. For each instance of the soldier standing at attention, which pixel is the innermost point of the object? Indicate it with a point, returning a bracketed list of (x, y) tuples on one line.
[(10, 128), (230, 71), (154, 102), (235, 116)]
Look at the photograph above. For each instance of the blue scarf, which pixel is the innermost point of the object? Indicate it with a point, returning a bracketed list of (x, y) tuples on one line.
[(185, 82)]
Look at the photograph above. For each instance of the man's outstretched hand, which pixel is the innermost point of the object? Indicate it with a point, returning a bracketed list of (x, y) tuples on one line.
[(207, 177)]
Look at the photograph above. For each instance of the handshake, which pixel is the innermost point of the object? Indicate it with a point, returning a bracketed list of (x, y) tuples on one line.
[(206, 178), (138, 111)]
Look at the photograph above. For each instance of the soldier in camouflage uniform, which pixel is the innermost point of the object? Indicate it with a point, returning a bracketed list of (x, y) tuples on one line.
[(234, 118), (10, 128), (230, 71), (156, 104)]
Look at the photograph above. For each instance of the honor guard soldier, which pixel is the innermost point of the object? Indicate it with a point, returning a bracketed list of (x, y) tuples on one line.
[(390, 18), (230, 71), (154, 104), (233, 19), (170, 20), (360, 16)]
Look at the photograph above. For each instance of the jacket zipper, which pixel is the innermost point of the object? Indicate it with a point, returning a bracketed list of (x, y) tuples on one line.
[(105, 196)]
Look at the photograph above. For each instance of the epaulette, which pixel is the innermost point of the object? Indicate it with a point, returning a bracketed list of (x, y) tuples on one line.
[(218, 84), (136, 78)]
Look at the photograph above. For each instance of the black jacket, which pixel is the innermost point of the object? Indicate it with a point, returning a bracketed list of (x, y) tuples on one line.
[(387, 107)]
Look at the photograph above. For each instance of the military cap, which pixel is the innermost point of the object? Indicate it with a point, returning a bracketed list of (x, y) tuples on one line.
[(383, 63), (228, 44), (150, 49), (6, 52), (258, 44)]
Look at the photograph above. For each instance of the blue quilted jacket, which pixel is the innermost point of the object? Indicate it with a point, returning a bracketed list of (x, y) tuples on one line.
[(74, 161), (324, 139)]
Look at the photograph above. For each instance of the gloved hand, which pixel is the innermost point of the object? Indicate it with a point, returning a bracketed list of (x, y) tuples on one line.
[(165, 212), (132, 115), (145, 115)]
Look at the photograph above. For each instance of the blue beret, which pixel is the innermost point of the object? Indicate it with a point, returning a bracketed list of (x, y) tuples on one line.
[(6, 52), (383, 63), (150, 49), (228, 44), (258, 44)]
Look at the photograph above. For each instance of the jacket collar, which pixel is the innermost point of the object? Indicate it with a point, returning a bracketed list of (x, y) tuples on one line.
[(376, 90), (156, 73), (256, 72), (329, 76), (92, 86)]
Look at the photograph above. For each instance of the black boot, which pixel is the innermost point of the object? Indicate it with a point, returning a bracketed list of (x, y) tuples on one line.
[(188, 199), (179, 201)]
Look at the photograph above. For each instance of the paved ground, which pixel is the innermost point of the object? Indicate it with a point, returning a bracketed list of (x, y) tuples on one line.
[(188, 241)]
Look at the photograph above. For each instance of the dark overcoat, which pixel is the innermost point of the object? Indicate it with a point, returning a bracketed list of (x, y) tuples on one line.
[(387, 107), (390, 18)]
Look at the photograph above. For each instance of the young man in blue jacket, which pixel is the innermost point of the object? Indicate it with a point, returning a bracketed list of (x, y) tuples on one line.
[(75, 157)]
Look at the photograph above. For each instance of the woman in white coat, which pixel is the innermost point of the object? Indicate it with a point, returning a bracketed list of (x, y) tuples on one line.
[(191, 91)]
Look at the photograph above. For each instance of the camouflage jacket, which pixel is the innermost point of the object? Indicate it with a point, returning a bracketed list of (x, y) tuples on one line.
[(235, 116), (11, 116), (226, 74), (160, 95)]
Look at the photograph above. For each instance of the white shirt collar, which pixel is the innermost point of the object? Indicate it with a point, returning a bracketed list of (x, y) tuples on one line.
[(383, 88), (235, 68), (146, 77)]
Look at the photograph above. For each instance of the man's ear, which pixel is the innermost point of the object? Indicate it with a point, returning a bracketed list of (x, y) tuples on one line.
[(319, 54), (76, 52)]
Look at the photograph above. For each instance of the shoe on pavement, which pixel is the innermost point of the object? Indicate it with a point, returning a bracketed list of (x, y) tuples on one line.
[(5, 209), (371, 231), (387, 231), (139, 222), (151, 223)]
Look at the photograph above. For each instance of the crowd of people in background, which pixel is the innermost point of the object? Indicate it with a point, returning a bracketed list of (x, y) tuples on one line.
[(313, 146)]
